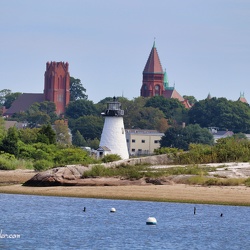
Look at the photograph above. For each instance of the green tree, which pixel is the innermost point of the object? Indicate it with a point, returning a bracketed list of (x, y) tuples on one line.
[(93, 143), (221, 113), (47, 135), (78, 140), (89, 126), (3, 94), (77, 91), (62, 132), (28, 135), (147, 118), (172, 108), (191, 99), (178, 137), (80, 108), (10, 98), (2, 129), (39, 114), (10, 142)]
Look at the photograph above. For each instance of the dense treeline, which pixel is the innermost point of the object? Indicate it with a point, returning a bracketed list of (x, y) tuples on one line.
[(165, 115), (222, 113), (230, 149), (225, 150), (41, 148), (37, 148)]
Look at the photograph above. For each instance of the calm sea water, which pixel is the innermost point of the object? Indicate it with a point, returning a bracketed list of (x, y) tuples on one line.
[(39, 222)]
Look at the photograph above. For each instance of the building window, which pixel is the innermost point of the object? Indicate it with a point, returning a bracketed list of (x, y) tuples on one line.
[(156, 141), (142, 141), (133, 140), (127, 140), (60, 98), (157, 90), (133, 150)]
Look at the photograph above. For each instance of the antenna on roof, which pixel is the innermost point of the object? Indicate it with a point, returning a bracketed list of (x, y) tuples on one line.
[(154, 43)]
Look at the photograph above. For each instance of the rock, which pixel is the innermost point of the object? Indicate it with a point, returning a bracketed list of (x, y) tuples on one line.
[(69, 175), (159, 181)]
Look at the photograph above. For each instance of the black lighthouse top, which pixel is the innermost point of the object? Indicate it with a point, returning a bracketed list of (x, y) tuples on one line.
[(113, 108)]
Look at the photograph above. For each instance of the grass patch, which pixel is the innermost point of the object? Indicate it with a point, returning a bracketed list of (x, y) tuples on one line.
[(140, 171), (206, 181)]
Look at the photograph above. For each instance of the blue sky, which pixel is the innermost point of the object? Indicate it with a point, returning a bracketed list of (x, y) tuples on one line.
[(203, 44)]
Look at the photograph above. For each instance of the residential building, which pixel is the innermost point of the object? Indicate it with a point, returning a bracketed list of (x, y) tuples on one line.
[(142, 141), (218, 134)]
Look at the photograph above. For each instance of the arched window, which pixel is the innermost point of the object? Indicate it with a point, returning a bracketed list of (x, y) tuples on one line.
[(157, 90)]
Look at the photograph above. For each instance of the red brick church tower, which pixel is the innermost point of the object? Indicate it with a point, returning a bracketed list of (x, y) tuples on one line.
[(57, 85), (153, 76), (155, 80)]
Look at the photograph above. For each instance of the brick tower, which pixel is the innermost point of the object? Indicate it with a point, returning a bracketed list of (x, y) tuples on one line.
[(57, 85), (153, 76)]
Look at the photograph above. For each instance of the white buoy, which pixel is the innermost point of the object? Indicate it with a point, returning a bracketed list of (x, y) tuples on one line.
[(112, 210), (151, 221)]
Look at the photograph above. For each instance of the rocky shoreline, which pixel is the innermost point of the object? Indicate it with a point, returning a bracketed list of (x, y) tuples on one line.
[(157, 189)]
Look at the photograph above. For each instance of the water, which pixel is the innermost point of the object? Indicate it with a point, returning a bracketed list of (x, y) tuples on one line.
[(60, 223)]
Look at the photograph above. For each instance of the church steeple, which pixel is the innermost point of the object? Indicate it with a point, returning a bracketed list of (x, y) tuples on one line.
[(153, 75), (153, 64)]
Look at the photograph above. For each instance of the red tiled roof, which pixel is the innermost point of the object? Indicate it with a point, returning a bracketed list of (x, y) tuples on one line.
[(23, 102), (242, 99), (153, 64), (186, 104), (173, 94)]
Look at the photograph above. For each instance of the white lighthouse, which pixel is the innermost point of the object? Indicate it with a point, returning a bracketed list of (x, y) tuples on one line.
[(113, 138)]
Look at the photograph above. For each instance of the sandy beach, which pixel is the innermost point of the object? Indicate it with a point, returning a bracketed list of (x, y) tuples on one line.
[(230, 195)]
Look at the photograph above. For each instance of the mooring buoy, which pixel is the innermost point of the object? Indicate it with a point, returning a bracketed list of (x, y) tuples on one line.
[(112, 210), (151, 221)]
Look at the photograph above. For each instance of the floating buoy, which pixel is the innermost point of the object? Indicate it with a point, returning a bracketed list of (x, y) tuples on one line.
[(151, 221), (112, 210)]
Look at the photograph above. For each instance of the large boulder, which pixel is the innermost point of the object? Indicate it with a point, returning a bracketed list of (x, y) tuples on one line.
[(69, 175)]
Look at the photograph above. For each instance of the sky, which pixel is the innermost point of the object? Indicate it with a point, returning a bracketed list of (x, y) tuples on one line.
[(204, 45)]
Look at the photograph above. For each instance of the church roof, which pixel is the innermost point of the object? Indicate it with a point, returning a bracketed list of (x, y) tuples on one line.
[(153, 64), (23, 102), (242, 98), (172, 93), (209, 96)]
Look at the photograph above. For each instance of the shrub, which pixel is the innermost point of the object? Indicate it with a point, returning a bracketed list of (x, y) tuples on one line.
[(41, 165), (166, 150), (111, 158), (6, 164), (72, 156), (247, 182), (7, 161)]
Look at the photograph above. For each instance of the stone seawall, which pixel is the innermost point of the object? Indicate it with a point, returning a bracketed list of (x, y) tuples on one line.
[(151, 160)]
